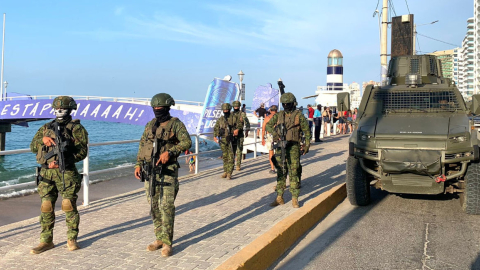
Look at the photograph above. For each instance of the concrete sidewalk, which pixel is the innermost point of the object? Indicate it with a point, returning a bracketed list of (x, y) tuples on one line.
[(215, 218)]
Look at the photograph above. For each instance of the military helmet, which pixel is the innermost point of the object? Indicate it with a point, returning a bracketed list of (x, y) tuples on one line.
[(64, 102), (236, 103), (288, 98), (226, 106), (162, 100)]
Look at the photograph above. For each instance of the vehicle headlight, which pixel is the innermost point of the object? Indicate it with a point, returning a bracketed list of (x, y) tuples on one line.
[(459, 138), (365, 137)]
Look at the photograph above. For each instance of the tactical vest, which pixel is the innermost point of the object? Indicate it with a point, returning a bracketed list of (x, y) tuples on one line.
[(165, 134), (292, 124), (236, 118), (223, 124), (49, 131)]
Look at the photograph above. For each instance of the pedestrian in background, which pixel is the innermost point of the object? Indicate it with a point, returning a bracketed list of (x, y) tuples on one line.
[(354, 117), (326, 116), (267, 138), (310, 117), (317, 119), (190, 160), (260, 113), (244, 109)]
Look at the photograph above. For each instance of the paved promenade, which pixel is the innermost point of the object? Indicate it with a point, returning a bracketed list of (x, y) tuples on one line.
[(215, 218)]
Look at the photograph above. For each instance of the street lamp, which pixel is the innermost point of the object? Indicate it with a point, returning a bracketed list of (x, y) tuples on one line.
[(415, 35), (5, 83), (242, 90)]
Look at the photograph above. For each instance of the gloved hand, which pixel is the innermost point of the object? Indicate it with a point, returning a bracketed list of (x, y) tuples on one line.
[(246, 133), (48, 141), (137, 173)]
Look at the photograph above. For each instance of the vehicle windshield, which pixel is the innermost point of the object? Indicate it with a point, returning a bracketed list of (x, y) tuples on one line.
[(417, 101)]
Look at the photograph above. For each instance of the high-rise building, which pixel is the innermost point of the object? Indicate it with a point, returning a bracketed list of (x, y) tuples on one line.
[(476, 45), (448, 59), (467, 68), (355, 95)]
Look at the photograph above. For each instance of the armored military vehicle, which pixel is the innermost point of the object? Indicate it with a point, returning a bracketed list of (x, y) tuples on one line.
[(414, 136)]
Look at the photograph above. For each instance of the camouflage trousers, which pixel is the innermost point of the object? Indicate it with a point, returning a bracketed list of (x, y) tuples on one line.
[(163, 211), (49, 193), (239, 150), (292, 168), (227, 154)]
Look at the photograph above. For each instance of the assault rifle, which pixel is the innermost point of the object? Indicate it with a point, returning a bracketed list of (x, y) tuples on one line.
[(282, 144), (59, 150), (229, 136), (150, 171), (302, 143)]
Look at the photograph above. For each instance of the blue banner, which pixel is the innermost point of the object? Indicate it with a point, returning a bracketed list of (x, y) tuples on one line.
[(219, 92), (265, 94), (119, 112)]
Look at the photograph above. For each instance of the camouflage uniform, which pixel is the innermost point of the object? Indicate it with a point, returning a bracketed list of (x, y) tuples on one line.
[(240, 118), (295, 123), (219, 130), (178, 141), (52, 183)]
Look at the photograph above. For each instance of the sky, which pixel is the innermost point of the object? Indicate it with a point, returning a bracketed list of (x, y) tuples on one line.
[(143, 47)]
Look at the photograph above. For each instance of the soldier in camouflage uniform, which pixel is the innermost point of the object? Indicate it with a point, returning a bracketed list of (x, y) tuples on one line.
[(227, 141), (294, 122), (240, 138), (51, 180), (172, 134)]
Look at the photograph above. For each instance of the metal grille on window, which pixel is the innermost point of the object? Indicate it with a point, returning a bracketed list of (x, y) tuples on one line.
[(433, 66), (407, 101), (414, 66)]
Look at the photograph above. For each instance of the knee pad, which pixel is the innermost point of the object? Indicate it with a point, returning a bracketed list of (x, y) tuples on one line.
[(46, 207), (67, 205)]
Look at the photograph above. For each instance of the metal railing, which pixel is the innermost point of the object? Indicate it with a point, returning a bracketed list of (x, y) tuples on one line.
[(114, 99), (86, 162)]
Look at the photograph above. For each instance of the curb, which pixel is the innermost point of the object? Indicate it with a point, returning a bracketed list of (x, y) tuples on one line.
[(267, 248)]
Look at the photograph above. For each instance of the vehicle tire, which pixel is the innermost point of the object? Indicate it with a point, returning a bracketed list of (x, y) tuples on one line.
[(358, 188), (470, 198)]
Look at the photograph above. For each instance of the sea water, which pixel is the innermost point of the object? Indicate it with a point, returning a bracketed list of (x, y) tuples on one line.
[(20, 168)]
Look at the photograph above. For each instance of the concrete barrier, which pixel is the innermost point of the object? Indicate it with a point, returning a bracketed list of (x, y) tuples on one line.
[(267, 248)]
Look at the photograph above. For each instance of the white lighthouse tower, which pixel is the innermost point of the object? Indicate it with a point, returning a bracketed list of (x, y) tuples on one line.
[(335, 71)]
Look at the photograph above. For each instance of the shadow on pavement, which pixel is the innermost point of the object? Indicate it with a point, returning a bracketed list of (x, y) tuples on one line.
[(312, 186), (333, 233)]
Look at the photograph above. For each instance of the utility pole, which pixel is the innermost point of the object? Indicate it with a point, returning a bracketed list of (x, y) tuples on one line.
[(414, 39), (383, 42)]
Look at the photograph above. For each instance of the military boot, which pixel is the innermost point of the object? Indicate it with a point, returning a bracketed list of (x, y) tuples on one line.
[(167, 251), (238, 168), (295, 203), (224, 175), (41, 248), (229, 176), (72, 245), (278, 201), (157, 244)]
